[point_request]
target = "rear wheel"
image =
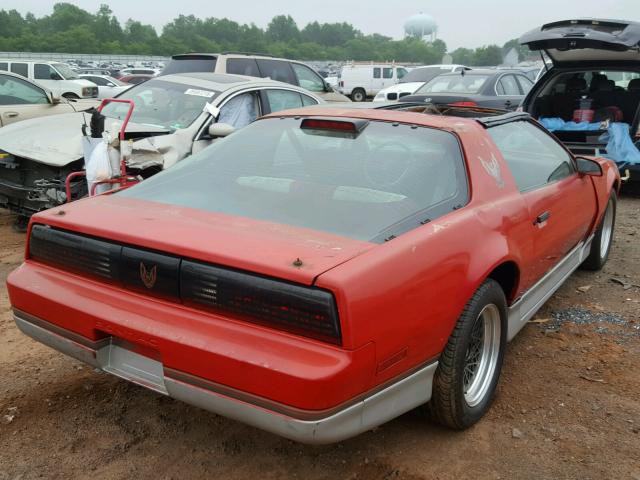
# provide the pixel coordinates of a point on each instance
(470, 365)
(603, 238)
(358, 95)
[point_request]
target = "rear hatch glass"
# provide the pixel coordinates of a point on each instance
(373, 186)
(190, 64)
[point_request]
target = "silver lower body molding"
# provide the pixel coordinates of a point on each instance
(527, 306)
(365, 414)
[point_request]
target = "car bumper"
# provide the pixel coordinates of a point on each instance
(120, 359)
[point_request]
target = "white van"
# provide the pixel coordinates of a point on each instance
(55, 76)
(360, 81)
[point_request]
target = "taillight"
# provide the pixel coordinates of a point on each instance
(463, 104)
(306, 311)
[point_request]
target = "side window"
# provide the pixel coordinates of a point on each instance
(387, 73)
(240, 111)
(525, 84)
(20, 68)
(283, 99)
(14, 91)
(307, 100)
(277, 70)
(307, 78)
(42, 71)
(507, 85)
(534, 157)
(243, 66)
(4, 66)
(98, 81)
(377, 72)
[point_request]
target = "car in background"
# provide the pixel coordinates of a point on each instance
(108, 87)
(253, 65)
(135, 79)
(55, 76)
(139, 71)
(595, 63)
(503, 89)
(414, 80)
(92, 71)
(22, 99)
(320, 273)
(361, 81)
(174, 116)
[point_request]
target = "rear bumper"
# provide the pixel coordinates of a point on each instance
(310, 427)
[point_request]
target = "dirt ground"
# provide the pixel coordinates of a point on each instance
(568, 405)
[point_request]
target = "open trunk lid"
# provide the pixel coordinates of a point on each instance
(587, 40)
(274, 250)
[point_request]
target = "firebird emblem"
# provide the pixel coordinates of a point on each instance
(148, 277)
(493, 168)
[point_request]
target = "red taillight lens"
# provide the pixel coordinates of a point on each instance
(463, 104)
(298, 309)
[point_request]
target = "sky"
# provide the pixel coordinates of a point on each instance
(460, 23)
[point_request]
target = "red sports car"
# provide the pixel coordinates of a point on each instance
(322, 271)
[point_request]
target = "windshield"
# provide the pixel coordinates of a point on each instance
(387, 180)
(423, 74)
(65, 71)
(457, 83)
(161, 104)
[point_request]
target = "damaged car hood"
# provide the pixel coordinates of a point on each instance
(57, 140)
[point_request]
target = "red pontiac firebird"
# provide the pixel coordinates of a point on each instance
(325, 270)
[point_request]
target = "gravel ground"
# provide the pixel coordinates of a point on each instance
(567, 407)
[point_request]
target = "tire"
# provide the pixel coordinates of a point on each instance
(358, 95)
(461, 394)
(603, 238)
(70, 96)
(20, 224)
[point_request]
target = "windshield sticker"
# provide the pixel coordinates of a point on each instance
(199, 93)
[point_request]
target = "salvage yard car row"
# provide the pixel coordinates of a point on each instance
(329, 266)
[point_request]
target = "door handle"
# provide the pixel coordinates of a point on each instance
(507, 103)
(543, 217)
(11, 114)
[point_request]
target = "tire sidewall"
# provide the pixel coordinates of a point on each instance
(358, 92)
(595, 261)
(612, 203)
(489, 293)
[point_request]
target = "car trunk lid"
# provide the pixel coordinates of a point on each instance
(586, 40)
(275, 250)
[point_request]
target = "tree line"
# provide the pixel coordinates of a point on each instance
(70, 29)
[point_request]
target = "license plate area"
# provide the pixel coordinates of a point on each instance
(116, 358)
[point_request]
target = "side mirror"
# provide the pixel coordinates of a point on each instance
(328, 88)
(55, 98)
(586, 166)
(217, 130)
(55, 76)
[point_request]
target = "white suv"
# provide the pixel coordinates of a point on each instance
(55, 76)
(254, 65)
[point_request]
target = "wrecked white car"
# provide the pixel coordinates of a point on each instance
(172, 119)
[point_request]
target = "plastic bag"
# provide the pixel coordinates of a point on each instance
(97, 165)
(620, 147)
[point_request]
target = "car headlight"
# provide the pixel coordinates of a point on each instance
(89, 91)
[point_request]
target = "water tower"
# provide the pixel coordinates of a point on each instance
(421, 26)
